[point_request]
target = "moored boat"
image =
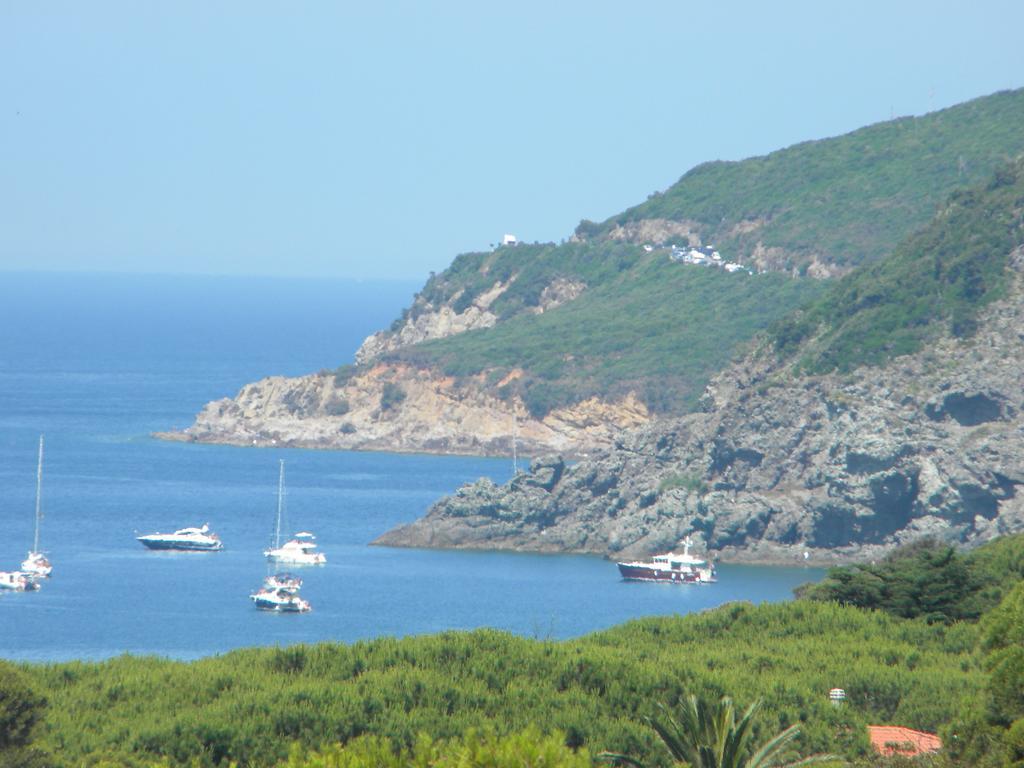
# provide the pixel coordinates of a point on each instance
(671, 567)
(188, 539)
(18, 581)
(301, 550)
(280, 600)
(37, 564)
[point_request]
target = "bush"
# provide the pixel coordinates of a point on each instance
(477, 749)
(689, 482)
(343, 373)
(928, 579)
(391, 396)
(21, 711)
(337, 406)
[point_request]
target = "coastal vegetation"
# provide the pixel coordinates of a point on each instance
(491, 698)
(250, 705)
(847, 200)
(934, 282)
(929, 580)
(638, 323)
(643, 325)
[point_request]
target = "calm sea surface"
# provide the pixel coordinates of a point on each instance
(97, 362)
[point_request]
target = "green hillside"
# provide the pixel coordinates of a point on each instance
(645, 324)
(849, 199)
(936, 281)
(662, 329)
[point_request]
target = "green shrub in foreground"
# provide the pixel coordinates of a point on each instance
(478, 749)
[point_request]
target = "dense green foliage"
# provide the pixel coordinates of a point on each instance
(929, 580)
(250, 705)
(848, 199)
(529, 749)
(21, 709)
(644, 324)
(990, 730)
(937, 280)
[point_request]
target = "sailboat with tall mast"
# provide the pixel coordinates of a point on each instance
(37, 564)
(301, 550)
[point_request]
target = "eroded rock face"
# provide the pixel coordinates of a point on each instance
(432, 323)
(826, 469)
(656, 231)
(394, 407)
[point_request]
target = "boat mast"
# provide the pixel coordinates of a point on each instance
(39, 495)
(280, 506)
(515, 429)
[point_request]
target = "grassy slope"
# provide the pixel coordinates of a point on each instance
(250, 705)
(647, 325)
(936, 281)
(852, 198)
(662, 330)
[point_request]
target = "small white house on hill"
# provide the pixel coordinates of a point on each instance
(509, 240)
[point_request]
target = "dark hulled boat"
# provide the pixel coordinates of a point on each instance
(671, 567)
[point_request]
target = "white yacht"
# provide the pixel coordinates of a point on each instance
(190, 539)
(301, 550)
(280, 599)
(37, 564)
(18, 581)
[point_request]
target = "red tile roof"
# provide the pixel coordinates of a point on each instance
(894, 740)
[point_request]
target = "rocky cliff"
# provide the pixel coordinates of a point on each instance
(783, 468)
(392, 407)
(388, 405)
(424, 321)
(586, 337)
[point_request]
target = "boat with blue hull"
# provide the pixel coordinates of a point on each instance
(184, 539)
(280, 600)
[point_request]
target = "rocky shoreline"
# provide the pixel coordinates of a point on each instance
(402, 409)
(780, 468)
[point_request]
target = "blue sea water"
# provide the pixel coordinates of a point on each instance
(98, 362)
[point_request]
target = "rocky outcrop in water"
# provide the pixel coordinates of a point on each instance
(385, 405)
(391, 407)
(778, 468)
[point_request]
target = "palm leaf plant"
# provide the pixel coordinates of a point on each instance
(708, 735)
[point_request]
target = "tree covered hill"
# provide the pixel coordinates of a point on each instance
(847, 200)
(935, 282)
(567, 343)
(639, 323)
(644, 325)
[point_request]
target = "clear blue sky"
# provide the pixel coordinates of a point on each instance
(326, 139)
